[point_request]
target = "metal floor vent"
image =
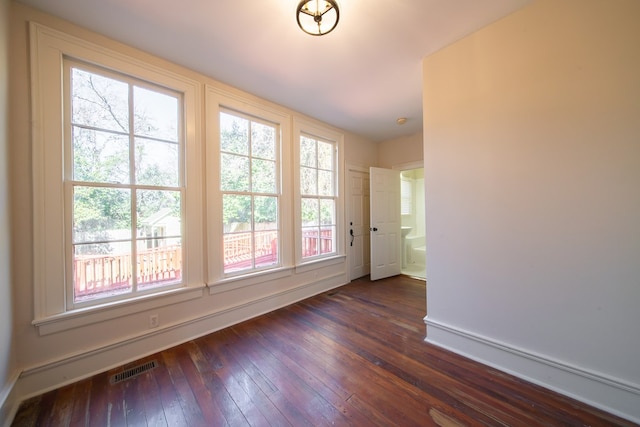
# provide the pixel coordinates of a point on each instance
(133, 372)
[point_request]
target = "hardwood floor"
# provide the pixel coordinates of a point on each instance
(352, 356)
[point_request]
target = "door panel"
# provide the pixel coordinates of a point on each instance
(359, 239)
(385, 223)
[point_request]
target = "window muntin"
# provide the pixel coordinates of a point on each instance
(318, 196)
(250, 188)
(124, 184)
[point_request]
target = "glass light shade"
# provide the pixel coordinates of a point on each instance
(317, 17)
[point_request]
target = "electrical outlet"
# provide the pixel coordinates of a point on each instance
(154, 321)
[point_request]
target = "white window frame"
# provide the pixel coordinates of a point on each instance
(217, 100)
(51, 309)
(306, 127)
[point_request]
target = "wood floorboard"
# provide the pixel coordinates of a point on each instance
(353, 356)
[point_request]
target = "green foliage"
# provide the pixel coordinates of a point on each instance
(101, 155)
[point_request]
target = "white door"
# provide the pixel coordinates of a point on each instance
(358, 240)
(386, 258)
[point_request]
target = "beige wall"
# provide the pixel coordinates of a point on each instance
(51, 360)
(359, 151)
(532, 171)
(400, 151)
(7, 366)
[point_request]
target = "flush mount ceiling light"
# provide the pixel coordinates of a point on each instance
(317, 17)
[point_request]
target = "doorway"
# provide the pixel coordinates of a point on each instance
(412, 214)
(359, 239)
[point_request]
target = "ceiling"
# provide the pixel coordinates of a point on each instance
(361, 77)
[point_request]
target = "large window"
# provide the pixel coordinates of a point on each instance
(249, 182)
(318, 196)
(117, 183)
(124, 185)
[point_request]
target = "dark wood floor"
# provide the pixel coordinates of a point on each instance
(352, 356)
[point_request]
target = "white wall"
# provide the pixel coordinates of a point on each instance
(400, 151)
(48, 361)
(7, 365)
(532, 172)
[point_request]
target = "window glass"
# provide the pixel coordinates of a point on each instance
(318, 196)
(125, 185)
(250, 193)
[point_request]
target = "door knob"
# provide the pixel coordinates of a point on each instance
(373, 229)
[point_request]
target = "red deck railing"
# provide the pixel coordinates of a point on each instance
(102, 275)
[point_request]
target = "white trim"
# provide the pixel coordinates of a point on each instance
(594, 388)
(77, 366)
(9, 401)
(48, 50)
(83, 317)
(300, 126)
(216, 99)
(409, 165)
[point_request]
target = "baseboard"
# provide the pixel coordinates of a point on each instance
(54, 374)
(593, 388)
(9, 401)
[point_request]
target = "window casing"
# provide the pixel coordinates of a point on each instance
(248, 189)
(124, 185)
(63, 224)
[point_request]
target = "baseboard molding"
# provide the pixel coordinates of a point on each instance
(593, 388)
(54, 374)
(9, 401)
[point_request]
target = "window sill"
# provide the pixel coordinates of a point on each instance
(101, 313)
(237, 282)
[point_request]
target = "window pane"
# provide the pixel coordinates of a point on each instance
(308, 152)
(266, 248)
(265, 213)
(236, 213)
(327, 240)
(158, 213)
(263, 176)
(238, 253)
(308, 181)
(327, 212)
(155, 114)
(96, 274)
(101, 214)
(100, 156)
(234, 173)
(263, 141)
(310, 242)
(234, 134)
(325, 183)
(99, 101)
(325, 156)
(159, 263)
(310, 212)
(157, 163)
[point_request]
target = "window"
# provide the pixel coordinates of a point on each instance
(117, 183)
(249, 171)
(124, 185)
(319, 201)
(406, 195)
(248, 190)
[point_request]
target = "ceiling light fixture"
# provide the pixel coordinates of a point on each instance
(317, 17)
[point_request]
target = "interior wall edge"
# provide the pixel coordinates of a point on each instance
(593, 388)
(9, 400)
